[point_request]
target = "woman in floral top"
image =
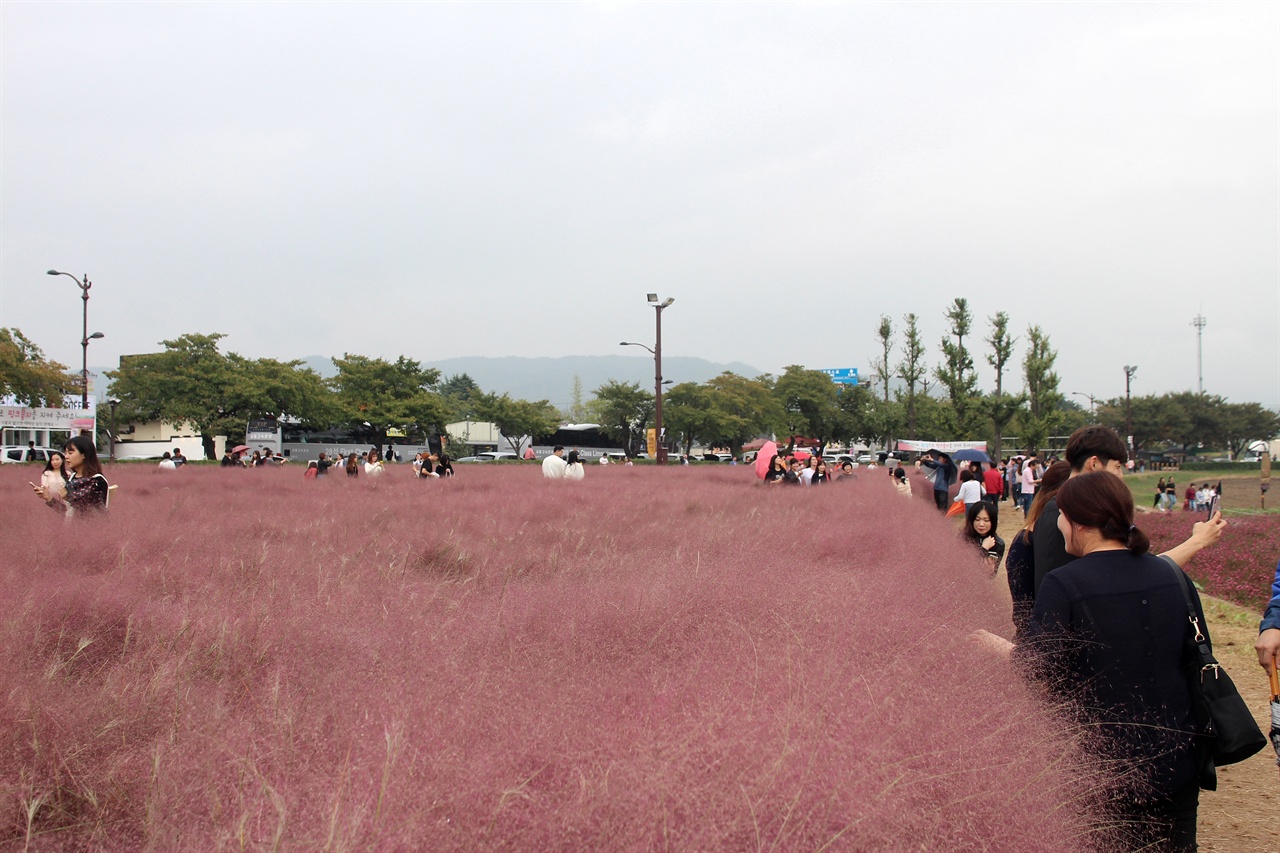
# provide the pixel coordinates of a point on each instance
(86, 490)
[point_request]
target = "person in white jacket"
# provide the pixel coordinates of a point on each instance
(970, 490)
(553, 467)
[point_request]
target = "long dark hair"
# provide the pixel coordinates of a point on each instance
(1101, 501)
(62, 466)
(84, 444)
(972, 513)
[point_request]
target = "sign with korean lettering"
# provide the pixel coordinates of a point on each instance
(842, 375)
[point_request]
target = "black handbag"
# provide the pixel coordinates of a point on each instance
(1226, 730)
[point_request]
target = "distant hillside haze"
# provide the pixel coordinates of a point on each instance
(551, 379)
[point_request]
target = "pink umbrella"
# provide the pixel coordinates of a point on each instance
(765, 457)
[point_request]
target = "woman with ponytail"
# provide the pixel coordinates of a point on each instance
(1108, 632)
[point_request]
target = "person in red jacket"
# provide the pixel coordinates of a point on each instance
(993, 483)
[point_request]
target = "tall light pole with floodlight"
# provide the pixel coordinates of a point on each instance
(84, 286)
(661, 455)
(1129, 370)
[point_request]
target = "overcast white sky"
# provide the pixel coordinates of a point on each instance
(441, 180)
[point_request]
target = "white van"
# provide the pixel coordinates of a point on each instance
(16, 453)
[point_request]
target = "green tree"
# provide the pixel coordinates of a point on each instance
(577, 406)
(1245, 423)
(956, 372)
(883, 422)
(746, 409)
(384, 394)
(461, 392)
(880, 367)
(809, 399)
(516, 419)
(1157, 421)
(912, 369)
(26, 374)
(1203, 426)
(191, 381)
(1041, 416)
(622, 409)
(690, 413)
(999, 407)
(856, 403)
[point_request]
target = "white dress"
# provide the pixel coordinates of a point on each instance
(373, 469)
(574, 471)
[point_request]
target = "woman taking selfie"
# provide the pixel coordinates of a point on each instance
(1108, 631)
(86, 489)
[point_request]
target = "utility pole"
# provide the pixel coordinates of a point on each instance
(1200, 322)
(1129, 370)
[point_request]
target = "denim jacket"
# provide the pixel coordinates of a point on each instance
(1271, 618)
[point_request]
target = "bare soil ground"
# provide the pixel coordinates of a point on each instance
(1243, 815)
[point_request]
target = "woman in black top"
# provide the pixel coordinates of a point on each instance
(1159, 494)
(980, 529)
(86, 490)
(1108, 631)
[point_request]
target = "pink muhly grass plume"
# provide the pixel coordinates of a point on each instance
(649, 658)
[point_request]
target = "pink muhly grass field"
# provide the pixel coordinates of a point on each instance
(649, 659)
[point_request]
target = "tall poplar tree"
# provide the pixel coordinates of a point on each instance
(1043, 397)
(912, 368)
(956, 371)
(1001, 407)
(880, 367)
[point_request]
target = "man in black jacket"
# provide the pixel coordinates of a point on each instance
(1090, 448)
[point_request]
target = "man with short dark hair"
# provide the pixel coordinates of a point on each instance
(553, 467)
(1090, 448)
(178, 459)
(31, 452)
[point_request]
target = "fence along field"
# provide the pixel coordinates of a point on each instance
(649, 659)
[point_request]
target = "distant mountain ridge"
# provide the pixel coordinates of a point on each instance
(551, 379)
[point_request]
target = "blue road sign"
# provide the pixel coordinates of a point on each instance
(842, 375)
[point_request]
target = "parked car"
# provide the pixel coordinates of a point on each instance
(490, 456)
(18, 453)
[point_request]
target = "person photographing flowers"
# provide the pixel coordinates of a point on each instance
(86, 488)
(1108, 632)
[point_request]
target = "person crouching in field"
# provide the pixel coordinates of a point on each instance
(86, 490)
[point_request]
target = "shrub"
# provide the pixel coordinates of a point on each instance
(648, 659)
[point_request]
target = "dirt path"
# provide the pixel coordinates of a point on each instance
(1243, 815)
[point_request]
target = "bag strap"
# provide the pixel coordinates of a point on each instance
(1199, 641)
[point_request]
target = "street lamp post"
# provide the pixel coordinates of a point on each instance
(1088, 397)
(84, 286)
(1129, 370)
(657, 373)
(112, 451)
